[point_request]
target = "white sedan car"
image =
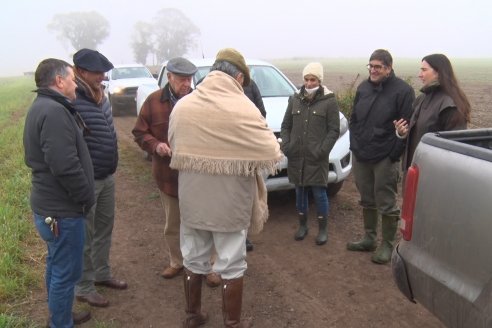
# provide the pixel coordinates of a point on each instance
(120, 86)
(275, 89)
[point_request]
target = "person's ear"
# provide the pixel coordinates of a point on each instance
(240, 78)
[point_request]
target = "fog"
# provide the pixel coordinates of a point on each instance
(262, 29)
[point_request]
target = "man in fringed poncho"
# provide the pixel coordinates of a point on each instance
(221, 145)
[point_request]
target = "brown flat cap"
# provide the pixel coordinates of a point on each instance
(234, 57)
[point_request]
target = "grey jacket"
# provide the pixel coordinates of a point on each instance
(56, 152)
(309, 132)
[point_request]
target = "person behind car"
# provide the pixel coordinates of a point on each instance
(379, 100)
(442, 106)
(221, 189)
(150, 133)
(62, 184)
(93, 106)
(309, 130)
(253, 93)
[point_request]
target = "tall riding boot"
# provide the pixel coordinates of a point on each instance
(193, 293)
(389, 226)
(368, 243)
(322, 233)
(232, 297)
(303, 228)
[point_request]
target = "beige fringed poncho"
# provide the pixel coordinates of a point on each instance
(217, 130)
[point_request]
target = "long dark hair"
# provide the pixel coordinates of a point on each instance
(448, 82)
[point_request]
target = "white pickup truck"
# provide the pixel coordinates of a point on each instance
(275, 89)
(444, 260)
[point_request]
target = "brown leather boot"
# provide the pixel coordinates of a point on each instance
(193, 293)
(232, 298)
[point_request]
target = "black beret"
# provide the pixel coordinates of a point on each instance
(181, 66)
(91, 60)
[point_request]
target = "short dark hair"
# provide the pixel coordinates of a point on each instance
(382, 55)
(47, 71)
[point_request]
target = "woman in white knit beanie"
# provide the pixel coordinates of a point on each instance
(310, 128)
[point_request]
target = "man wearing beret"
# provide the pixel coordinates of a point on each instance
(150, 133)
(221, 189)
(94, 107)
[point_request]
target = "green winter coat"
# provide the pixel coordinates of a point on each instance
(309, 132)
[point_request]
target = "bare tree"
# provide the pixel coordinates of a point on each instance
(142, 42)
(174, 34)
(80, 29)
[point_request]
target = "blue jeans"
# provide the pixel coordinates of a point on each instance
(63, 266)
(320, 198)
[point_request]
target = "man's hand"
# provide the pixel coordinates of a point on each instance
(163, 149)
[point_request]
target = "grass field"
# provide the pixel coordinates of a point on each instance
(18, 243)
(467, 70)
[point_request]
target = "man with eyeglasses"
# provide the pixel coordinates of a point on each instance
(379, 100)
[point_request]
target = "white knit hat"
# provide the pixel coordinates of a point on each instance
(315, 69)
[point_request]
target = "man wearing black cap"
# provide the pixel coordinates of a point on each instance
(150, 133)
(94, 107)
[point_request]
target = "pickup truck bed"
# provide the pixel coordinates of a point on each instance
(444, 260)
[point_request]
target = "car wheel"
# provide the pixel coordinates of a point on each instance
(333, 188)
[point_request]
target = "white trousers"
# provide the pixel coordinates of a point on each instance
(197, 246)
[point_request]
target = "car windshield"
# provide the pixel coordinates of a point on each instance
(130, 73)
(269, 80)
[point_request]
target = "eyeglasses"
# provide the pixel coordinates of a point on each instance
(375, 67)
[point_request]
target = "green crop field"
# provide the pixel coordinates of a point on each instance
(19, 255)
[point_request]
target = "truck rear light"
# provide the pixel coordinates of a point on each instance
(409, 198)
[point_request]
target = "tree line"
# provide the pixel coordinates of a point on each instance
(169, 34)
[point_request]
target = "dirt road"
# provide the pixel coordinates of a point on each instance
(288, 283)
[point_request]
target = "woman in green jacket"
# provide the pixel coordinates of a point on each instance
(310, 128)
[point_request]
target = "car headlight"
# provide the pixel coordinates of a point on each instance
(343, 126)
(118, 90)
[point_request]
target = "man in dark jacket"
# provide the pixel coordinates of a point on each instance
(95, 109)
(62, 184)
(253, 93)
(379, 101)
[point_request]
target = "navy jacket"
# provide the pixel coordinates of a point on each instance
(101, 140)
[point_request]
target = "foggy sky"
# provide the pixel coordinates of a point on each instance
(261, 29)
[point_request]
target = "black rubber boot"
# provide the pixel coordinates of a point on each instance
(303, 228)
(322, 233)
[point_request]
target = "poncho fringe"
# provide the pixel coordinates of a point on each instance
(214, 166)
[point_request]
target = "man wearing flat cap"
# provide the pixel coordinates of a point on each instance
(94, 107)
(221, 189)
(150, 134)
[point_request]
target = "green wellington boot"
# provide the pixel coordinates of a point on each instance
(303, 228)
(322, 237)
(389, 224)
(368, 243)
